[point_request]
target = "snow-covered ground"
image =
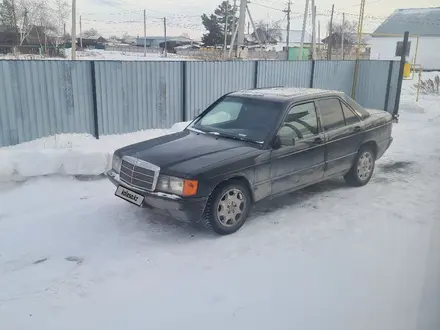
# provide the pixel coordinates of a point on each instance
(107, 55)
(73, 256)
(97, 55)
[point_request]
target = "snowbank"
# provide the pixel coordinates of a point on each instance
(69, 154)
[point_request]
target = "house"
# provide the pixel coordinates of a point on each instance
(423, 24)
(92, 42)
(278, 38)
(155, 42)
(8, 36)
(36, 40)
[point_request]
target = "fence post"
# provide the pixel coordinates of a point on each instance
(312, 75)
(387, 95)
(400, 79)
(95, 101)
(256, 74)
(184, 91)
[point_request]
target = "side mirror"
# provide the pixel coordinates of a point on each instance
(276, 143)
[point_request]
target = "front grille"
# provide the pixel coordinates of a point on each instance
(139, 174)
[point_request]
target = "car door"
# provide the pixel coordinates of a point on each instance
(299, 160)
(343, 132)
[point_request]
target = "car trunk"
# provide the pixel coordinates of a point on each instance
(377, 118)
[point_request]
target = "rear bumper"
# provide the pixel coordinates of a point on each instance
(383, 147)
(189, 210)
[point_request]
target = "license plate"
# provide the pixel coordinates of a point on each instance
(129, 196)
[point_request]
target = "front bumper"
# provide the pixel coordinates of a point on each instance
(189, 210)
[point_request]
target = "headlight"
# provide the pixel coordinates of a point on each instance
(116, 163)
(177, 186)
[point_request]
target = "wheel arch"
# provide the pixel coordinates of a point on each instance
(372, 144)
(237, 178)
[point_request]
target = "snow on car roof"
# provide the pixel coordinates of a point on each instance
(282, 92)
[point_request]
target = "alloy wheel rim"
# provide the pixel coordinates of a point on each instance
(365, 166)
(230, 208)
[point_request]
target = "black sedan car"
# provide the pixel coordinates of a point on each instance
(248, 146)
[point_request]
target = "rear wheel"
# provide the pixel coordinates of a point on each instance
(362, 169)
(227, 208)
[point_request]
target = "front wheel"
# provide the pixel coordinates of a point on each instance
(227, 208)
(362, 169)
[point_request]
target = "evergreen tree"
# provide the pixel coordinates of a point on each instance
(215, 25)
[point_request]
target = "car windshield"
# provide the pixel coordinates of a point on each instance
(240, 117)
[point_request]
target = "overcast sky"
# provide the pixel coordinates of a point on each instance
(115, 17)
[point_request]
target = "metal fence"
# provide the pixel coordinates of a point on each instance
(42, 98)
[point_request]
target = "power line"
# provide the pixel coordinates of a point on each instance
(264, 6)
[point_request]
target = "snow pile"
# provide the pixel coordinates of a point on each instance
(28, 57)
(69, 154)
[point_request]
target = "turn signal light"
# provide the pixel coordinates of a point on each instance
(190, 187)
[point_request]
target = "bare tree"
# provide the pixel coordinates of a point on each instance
(350, 32)
(44, 26)
(62, 10)
(268, 32)
(34, 17)
(25, 10)
(90, 33)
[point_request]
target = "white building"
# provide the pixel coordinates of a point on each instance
(423, 23)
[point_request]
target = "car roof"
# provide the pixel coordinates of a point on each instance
(285, 94)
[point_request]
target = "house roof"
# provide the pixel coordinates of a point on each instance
(418, 21)
(365, 39)
(162, 38)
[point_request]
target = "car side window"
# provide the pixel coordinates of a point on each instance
(223, 112)
(331, 114)
(301, 122)
(350, 117)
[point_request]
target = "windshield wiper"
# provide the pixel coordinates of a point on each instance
(235, 137)
(196, 130)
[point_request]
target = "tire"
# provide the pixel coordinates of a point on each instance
(227, 208)
(362, 169)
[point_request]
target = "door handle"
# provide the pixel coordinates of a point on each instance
(318, 141)
(357, 129)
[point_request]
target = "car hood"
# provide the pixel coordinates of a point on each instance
(186, 152)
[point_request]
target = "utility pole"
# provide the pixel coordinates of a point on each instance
(313, 30)
(256, 34)
(343, 35)
(165, 35)
(145, 33)
(225, 47)
(319, 40)
(330, 36)
(234, 23)
(356, 66)
(360, 28)
(80, 32)
(73, 30)
(306, 11)
(241, 21)
(234, 35)
(288, 28)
